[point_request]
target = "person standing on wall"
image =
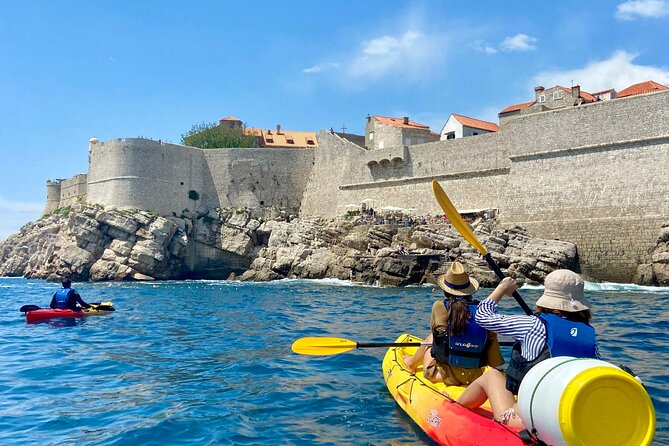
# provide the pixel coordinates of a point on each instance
(67, 298)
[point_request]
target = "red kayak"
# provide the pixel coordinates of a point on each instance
(48, 313)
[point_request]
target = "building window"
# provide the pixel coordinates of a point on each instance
(475, 133)
(371, 136)
(558, 94)
(542, 98)
(450, 135)
(407, 140)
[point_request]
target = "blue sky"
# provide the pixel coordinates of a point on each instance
(77, 69)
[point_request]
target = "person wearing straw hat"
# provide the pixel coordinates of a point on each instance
(561, 327)
(460, 347)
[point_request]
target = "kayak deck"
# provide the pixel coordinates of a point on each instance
(432, 406)
(42, 314)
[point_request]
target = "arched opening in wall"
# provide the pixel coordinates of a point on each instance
(384, 162)
(371, 164)
(397, 160)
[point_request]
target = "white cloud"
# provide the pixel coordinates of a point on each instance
(619, 71)
(633, 9)
(15, 214)
(407, 54)
(318, 68)
(483, 47)
(519, 42)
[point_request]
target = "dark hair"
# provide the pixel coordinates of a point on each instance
(66, 283)
(576, 316)
(457, 313)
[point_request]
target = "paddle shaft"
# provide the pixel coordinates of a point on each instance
(493, 266)
(408, 344)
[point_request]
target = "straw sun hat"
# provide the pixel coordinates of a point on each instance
(457, 282)
(563, 290)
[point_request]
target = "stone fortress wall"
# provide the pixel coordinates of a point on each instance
(594, 174)
(163, 177)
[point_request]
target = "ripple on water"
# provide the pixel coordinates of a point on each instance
(210, 362)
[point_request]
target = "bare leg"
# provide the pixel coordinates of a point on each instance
(491, 385)
(412, 362)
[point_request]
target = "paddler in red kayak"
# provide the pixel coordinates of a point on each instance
(67, 298)
(460, 347)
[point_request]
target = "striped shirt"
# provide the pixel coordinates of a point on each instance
(528, 330)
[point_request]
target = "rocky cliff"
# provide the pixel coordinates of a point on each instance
(656, 272)
(86, 242)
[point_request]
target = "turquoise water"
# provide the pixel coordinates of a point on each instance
(210, 362)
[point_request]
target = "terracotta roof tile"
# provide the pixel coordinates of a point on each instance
(587, 97)
(515, 107)
(399, 122)
(284, 139)
(477, 123)
(230, 118)
(641, 88)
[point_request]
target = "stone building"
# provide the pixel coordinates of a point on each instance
(382, 132)
(548, 99)
(459, 126)
(560, 97)
(231, 122)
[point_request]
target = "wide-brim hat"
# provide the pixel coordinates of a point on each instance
(563, 290)
(456, 281)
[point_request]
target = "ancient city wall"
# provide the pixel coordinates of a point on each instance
(146, 174)
(260, 177)
(595, 175)
(473, 171)
(162, 177)
(73, 189)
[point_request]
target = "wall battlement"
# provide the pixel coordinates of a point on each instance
(593, 174)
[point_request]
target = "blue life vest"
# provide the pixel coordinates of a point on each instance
(465, 350)
(568, 338)
(563, 338)
(62, 297)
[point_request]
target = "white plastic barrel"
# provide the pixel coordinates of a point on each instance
(585, 402)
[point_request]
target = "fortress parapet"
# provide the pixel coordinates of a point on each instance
(52, 196)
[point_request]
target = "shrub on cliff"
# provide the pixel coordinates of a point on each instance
(214, 136)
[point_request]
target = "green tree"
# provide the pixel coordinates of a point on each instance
(214, 136)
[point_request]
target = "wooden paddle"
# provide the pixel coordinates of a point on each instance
(467, 233)
(322, 346)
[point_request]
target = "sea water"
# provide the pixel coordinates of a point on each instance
(209, 362)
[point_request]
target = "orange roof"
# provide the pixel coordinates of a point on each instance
(399, 122)
(230, 118)
(283, 139)
(642, 88)
(515, 107)
(587, 97)
(477, 123)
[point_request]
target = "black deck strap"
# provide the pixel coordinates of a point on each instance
(530, 438)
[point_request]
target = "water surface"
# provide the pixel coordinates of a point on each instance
(210, 362)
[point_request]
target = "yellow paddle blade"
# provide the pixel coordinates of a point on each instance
(322, 346)
(455, 218)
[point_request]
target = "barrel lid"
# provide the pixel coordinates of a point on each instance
(606, 406)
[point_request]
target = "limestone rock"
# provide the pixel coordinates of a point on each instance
(109, 270)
